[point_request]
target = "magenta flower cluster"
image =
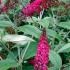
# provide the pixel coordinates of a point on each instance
(42, 55)
(35, 6)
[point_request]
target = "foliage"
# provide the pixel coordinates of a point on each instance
(19, 36)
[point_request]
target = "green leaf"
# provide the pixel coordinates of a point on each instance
(4, 1)
(32, 20)
(25, 2)
(31, 51)
(65, 48)
(44, 22)
(55, 60)
(65, 25)
(28, 67)
(8, 63)
(12, 55)
(66, 66)
(54, 34)
(61, 8)
(18, 39)
(6, 23)
(65, 1)
(31, 30)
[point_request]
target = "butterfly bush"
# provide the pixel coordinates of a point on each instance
(42, 55)
(0, 1)
(35, 6)
(10, 4)
(3, 7)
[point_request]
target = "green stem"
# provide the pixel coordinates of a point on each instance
(24, 52)
(19, 55)
(18, 48)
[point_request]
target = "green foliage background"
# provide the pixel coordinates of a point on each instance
(58, 31)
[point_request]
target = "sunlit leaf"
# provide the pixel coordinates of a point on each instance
(65, 48)
(8, 63)
(55, 60)
(18, 39)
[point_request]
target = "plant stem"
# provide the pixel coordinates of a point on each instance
(18, 48)
(24, 53)
(19, 55)
(41, 14)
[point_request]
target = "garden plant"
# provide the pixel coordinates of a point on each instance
(34, 34)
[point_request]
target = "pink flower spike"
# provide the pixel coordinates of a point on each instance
(4, 9)
(42, 55)
(31, 8)
(35, 6)
(0, 1)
